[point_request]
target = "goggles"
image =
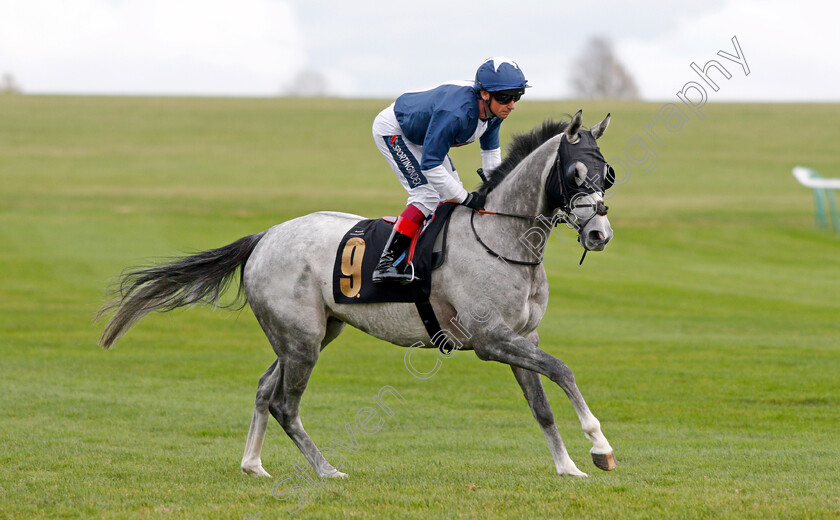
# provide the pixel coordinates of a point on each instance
(503, 97)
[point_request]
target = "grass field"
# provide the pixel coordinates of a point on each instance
(706, 338)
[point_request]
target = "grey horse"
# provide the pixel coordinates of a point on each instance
(490, 286)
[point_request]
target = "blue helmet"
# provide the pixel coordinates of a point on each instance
(500, 73)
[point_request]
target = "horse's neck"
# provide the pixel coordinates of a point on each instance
(522, 192)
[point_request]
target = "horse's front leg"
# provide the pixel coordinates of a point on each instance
(535, 395)
(501, 344)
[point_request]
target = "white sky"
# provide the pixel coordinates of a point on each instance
(374, 48)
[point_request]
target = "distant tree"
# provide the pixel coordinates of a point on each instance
(598, 74)
(8, 85)
(307, 83)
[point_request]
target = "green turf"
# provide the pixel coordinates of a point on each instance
(705, 338)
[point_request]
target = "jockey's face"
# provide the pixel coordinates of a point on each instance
(497, 109)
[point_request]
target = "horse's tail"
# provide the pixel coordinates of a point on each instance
(198, 278)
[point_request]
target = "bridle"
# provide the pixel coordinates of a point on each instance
(564, 214)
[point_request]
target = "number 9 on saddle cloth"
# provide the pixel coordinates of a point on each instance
(359, 251)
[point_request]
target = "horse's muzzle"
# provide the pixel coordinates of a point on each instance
(596, 240)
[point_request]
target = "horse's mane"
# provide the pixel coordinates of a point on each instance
(519, 148)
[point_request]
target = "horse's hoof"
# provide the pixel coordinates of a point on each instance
(256, 471)
(337, 474)
(604, 461)
(574, 472)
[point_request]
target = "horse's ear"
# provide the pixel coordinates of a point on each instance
(574, 126)
(599, 129)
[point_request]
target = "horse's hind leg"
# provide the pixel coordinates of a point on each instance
(298, 343)
(285, 406)
(251, 462)
(269, 381)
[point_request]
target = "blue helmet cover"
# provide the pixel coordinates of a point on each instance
(499, 73)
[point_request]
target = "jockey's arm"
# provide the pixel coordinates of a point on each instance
(491, 159)
(491, 151)
(446, 185)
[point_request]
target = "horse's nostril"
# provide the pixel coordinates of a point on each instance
(597, 236)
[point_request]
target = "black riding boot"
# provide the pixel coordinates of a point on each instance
(386, 271)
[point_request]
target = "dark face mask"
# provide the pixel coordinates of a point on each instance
(564, 183)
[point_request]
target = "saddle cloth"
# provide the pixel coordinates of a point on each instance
(359, 251)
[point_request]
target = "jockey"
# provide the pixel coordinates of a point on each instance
(415, 134)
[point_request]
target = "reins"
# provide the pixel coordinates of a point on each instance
(490, 250)
(527, 217)
(599, 208)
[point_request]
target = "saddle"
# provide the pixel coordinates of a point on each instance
(359, 252)
(360, 249)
